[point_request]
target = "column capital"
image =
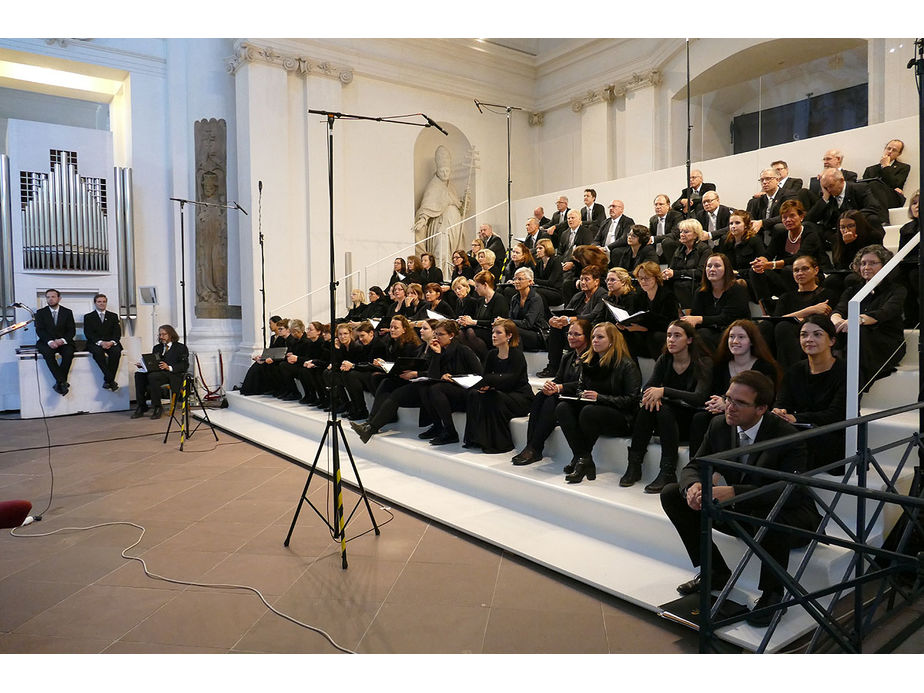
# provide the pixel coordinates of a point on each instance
(249, 52)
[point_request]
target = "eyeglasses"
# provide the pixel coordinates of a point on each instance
(765, 180)
(870, 263)
(737, 403)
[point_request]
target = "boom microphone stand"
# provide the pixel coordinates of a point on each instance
(506, 108)
(262, 258)
(334, 427)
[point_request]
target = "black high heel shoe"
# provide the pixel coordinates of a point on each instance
(569, 468)
(583, 467)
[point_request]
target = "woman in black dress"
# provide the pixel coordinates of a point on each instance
(742, 244)
(477, 244)
(313, 359)
(882, 335)
(646, 337)
(397, 306)
(503, 394)
(462, 300)
(378, 304)
(720, 301)
(358, 309)
(542, 419)
(583, 304)
(399, 273)
(685, 270)
(520, 256)
(742, 348)
(854, 232)
(637, 250)
(620, 291)
(414, 271)
(548, 273)
(814, 391)
(607, 399)
(808, 299)
(255, 380)
(527, 311)
(461, 267)
(357, 376)
(433, 301)
(678, 386)
(476, 330)
(429, 272)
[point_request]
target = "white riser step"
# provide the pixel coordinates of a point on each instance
(898, 216)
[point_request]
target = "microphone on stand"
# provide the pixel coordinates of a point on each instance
(434, 124)
(240, 209)
(479, 106)
(260, 186)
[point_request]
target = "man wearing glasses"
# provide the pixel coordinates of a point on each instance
(765, 210)
(747, 421)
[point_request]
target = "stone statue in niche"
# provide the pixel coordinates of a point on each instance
(211, 222)
(440, 208)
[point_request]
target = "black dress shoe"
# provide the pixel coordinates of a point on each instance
(157, 413)
(107, 386)
(546, 373)
(113, 386)
(528, 456)
(583, 467)
(692, 586)
(570, 466)
(363, 430)
(445, 438)
(139, 412)
(431, 432)
(767, 599)
(665, 477)
(290, 397)
(65, 388)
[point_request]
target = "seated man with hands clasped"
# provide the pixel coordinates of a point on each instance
(172, 363)
(747, 421)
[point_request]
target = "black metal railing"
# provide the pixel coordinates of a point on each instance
(893, 569)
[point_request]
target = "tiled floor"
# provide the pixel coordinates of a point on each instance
(218, 513)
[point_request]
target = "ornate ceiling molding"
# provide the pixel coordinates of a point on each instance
(536, 119)
(247, 52)
(608, 94)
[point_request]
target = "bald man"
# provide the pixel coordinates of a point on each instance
(833, 158)
(838, 196)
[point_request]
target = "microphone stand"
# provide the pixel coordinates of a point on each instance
(334, 426)
(262, 257)
(689, 186)
(507, 108)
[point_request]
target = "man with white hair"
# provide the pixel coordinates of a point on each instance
(559, 220)
(765, 210)
(833, 158)
(694, 193)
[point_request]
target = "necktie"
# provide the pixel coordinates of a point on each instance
(769, 205)
(54, 316)
(744, 441)
(166, 349)
(661, 226)
(711, 222)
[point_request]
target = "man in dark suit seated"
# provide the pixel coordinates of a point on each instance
(765, 210)
(173, 362)
(592, 213)
(543, 220)
(576, 234)
(612, 233)
(833, 158)
(713, 217)
(747, 420)
(892, 172)
(492, 241)
(664, 235)
(559, 221)
(103, 331)
(55, 331)
(789, 185)
(838, 196)
(694, 193)
(533, 234)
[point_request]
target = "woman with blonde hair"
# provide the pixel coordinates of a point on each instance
(606, 399)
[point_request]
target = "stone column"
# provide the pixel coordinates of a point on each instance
(641, 137)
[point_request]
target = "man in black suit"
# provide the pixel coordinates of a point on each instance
(612, 233)
(833, 158)
(714, 216)
(102, 330)
(492, 241)
(765, 210)
(172, 361)
(576, 234)
(892, 172)
(790, 186)
(695, 193)
(592, 213)
(838, 196)
(664, 236)
(543, 220)
(55, 330)
(747, 420)
(559, 221)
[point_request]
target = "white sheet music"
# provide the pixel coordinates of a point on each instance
(467, 381)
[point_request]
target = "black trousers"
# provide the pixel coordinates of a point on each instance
(148, 386)
(542, 420)
(391, 397)
(59, 372)
(557, 341)
(584, 422)
(439, 400)
(777, 543)
(672, 424)
(106, 359)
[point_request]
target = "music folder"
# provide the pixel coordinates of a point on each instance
(623, 316)
(685, 610)
(275, 353)
(150, 363)
(567, 312)
(409, 363)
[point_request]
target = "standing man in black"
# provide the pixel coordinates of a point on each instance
(592, 213)
(747, 420)
(55, 329)
(103, 331)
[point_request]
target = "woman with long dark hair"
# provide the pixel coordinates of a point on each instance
(476, 332)
(399, 273)
(606, 399)
(742, 244)
(854, 232)
(461, 267)
(720, 301)
(542, 419)
(430, 273)
(678, 386)
(548, 273)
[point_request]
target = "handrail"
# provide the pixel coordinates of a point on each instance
(365, 269)
(853, 336)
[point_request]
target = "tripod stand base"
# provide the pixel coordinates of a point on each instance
(181, 419)
(339, 524)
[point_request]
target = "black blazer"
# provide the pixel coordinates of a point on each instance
(597, 217)
(109, 330)
(743, 253)
(671, 219)
(722, 214)
(685, 193)
(856, 196)
(177, 357)
(622, 229)
(622, 257)
(690, 264)
(815, 184)
(549, 275)
(558, 224)
(583, 236)
(757, 208)
(496, 246)
(792, 458)
(894, 175)
(46, 329)
(792, 186)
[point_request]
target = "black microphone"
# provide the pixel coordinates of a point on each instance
(434, 124)
(18, 305)
(260, 185)
(479, 106)
(241, 208)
